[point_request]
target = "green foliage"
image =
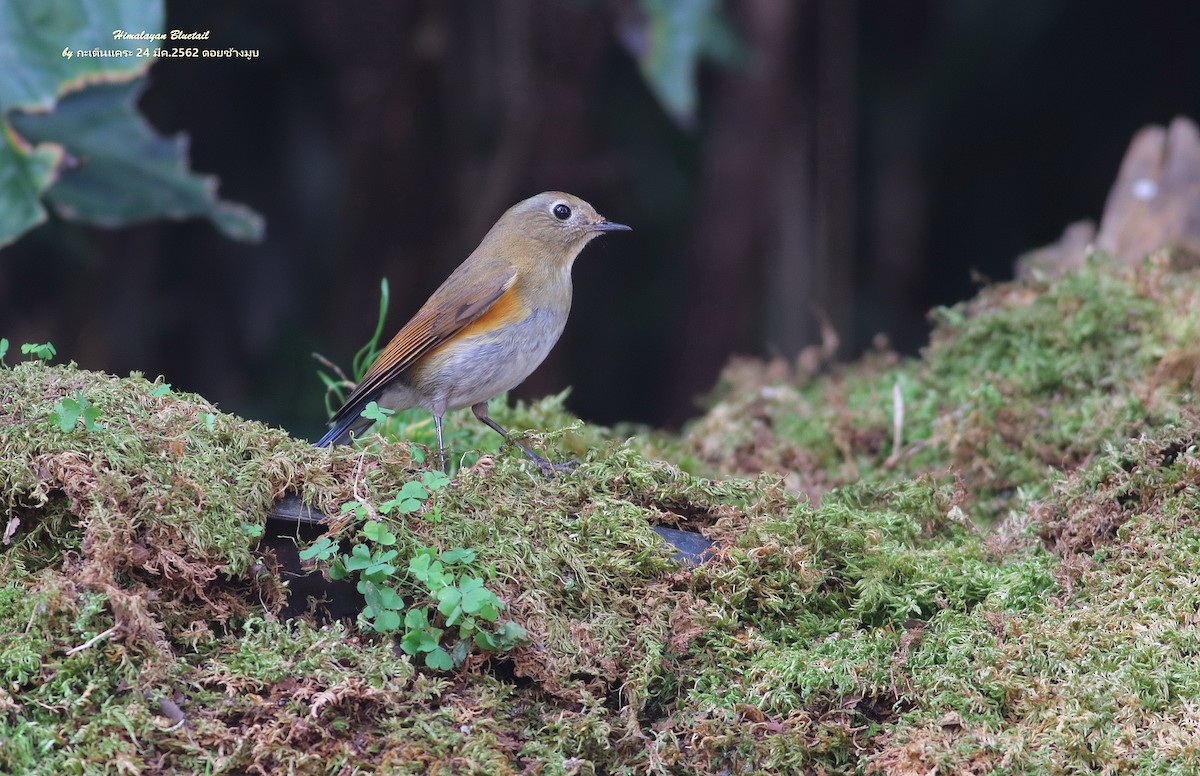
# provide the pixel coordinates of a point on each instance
(677, 34)
(69, 130)
(1019, 382)
(44, 351)
(337, 388)
(367, 354)
(374, 412)
(323, 549)
(76, 410)
(462, 602)
(440, 591)
(412, 495)
(132, 174)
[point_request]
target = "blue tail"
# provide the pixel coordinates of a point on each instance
(351, 423)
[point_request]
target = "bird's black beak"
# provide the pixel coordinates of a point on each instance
(604, 225)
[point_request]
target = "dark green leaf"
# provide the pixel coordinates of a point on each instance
(35, 38)
(485, 640)
(126, 172)
(25, 173)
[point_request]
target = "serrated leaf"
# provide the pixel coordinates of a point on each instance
(26, 172)
(126, 172)
(35, 38)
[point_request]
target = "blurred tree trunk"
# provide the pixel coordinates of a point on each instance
(773, 238)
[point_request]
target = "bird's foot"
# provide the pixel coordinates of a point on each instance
(549, 468)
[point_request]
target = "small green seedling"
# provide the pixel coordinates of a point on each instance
(323, 549)
(45, 351)
(374, 412)
(73, 410)
(413, 494)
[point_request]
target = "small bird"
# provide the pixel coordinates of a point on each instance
(488, 326)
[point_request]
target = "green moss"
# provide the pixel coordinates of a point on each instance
(1106, 675)
(1012, 590)
(1026, 379)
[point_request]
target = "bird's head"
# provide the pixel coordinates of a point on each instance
(558, 224)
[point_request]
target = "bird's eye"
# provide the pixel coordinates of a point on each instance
(561, 212)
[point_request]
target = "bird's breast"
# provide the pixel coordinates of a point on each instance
(492, 354)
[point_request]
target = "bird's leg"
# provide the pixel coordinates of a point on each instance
(548, 467)
(437, 425)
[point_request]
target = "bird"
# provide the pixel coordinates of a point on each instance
(487, 327)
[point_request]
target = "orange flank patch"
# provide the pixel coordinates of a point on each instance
(505, 310)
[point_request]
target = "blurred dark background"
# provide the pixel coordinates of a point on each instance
(865, 159)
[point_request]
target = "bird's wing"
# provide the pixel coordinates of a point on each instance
(457, 304)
